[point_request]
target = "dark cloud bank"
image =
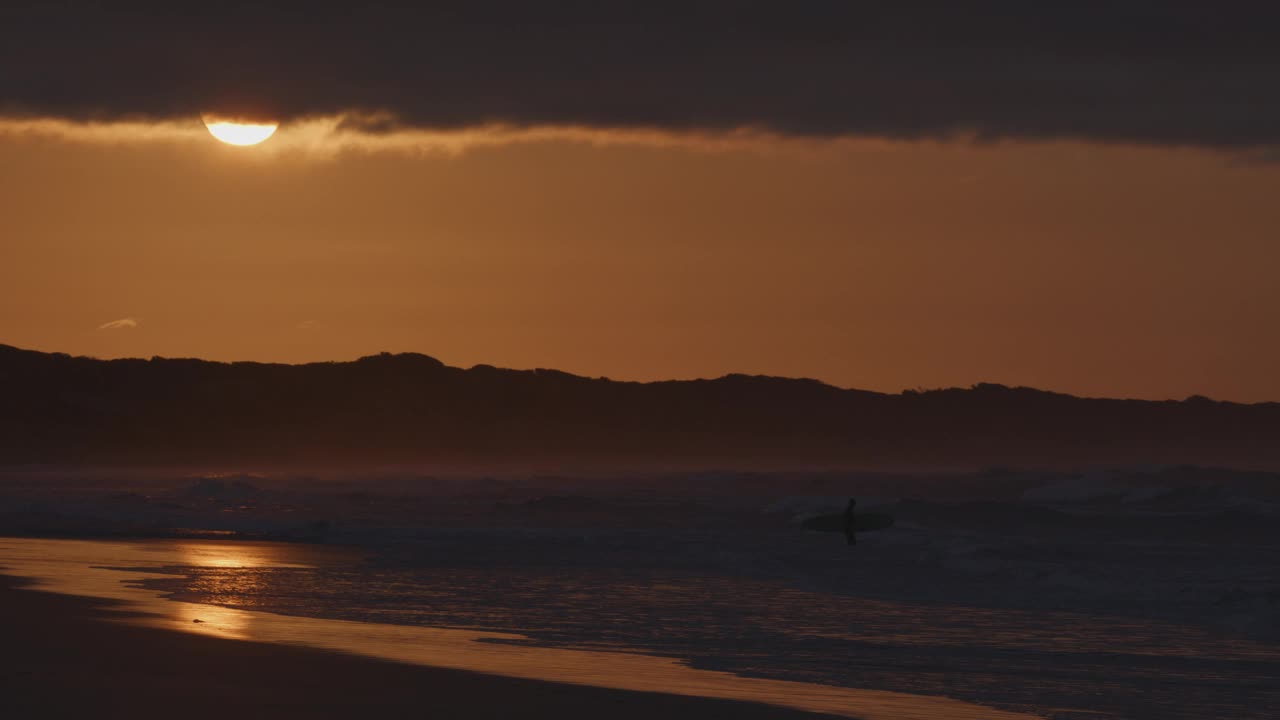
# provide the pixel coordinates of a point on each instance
(1164, 73)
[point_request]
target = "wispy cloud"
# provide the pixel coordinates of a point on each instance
(121, 324)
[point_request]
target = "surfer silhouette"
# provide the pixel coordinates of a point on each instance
(850, 522)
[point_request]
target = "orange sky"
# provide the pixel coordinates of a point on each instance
(1090, 269)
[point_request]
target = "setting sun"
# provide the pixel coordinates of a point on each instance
(238, 133)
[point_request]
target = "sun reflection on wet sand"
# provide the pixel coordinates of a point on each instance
(213, 620)
(86, 568)
(235, 555)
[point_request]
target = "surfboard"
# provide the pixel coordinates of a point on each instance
(862, 522)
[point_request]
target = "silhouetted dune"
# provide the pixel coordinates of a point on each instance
(408, 407)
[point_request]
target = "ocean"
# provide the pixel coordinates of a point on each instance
(954, 612)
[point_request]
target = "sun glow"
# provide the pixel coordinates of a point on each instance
(239, 133)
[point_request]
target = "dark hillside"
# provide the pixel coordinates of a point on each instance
(56, 408)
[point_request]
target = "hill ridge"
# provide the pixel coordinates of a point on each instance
(409, 407)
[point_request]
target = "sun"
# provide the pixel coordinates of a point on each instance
(234, 132)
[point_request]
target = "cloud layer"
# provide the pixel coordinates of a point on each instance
(1159, 73)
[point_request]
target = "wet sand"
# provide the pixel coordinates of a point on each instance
(60, 656)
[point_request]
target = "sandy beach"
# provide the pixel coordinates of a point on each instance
(62, 657)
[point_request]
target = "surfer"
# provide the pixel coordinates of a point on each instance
(850, 522)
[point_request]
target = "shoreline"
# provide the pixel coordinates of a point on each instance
(63, 656)
(109, 573)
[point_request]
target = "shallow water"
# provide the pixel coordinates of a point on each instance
(1163, 607)
(120, 571)
(707, 615)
